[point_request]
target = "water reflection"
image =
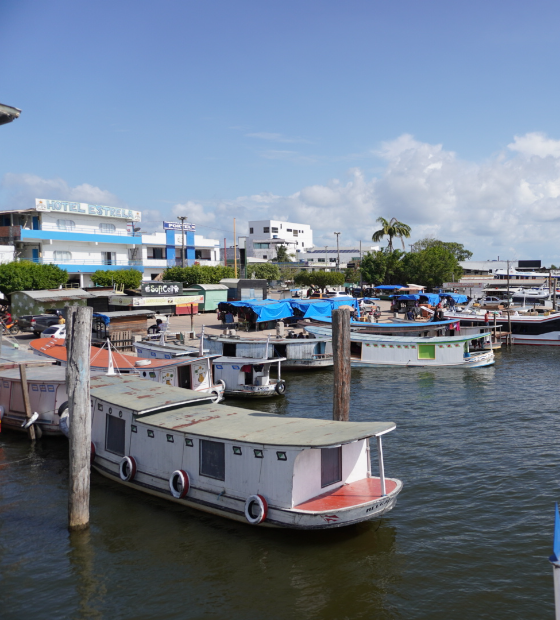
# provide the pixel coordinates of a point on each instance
(90, 588)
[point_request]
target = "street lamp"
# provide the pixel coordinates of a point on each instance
(182, 218)
(337, 252)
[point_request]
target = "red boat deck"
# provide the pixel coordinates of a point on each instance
(348, 495)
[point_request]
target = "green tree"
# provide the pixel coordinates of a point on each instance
(288, 273)
(457, 249)
(28, 276)
(432, 266)
(352, 276)
(383, 267)
(282, 255)
(263, 271)
(130, 278)
(392, 228)
(198, 274)
(319, 279)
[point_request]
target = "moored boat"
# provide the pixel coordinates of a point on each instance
(254, 467)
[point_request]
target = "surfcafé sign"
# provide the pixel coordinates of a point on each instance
(156, 289)
(81, 208)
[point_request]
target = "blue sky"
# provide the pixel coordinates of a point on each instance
(442, 114)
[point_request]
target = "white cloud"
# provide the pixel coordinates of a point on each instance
(508, 205)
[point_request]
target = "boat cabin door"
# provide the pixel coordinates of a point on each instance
(184, 377)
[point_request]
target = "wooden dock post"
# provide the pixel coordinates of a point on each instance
(78, 330)
(26, 405)
(341, 358)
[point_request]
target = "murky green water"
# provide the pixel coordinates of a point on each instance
(469, 538)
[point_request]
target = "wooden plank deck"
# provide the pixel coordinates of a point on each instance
(348, 495)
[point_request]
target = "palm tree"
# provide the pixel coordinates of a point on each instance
(391, 229)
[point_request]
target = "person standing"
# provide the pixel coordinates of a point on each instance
(487, 318)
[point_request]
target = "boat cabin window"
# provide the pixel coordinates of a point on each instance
(331, 466)
(426, 351)
(228, 349)
(212, 459)
(114, 435)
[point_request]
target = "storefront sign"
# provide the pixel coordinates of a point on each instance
(162, 288)
(181, 300)
(81, 208)
(178, 226)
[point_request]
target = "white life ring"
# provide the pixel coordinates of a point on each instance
(280, 387)
(179, 483)
(127, 468)
(64, 423)
(215, 396)
(256, 503)
(223, 383)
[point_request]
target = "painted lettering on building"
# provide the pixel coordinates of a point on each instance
(61, 206)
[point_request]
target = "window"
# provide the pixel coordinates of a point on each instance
(259, 454)
(426, 351)
(275, 229)
(107, 228)
(114, 435)
(320, 260)
(60, 255)
(265, 256)
(157, 253)
(212, 459)
(65, 224)
(261, 246)
(237, 450)
(266, 229)
(331, 466)
(281, 456)
(288, 230)
(295, 233)
(250, 231)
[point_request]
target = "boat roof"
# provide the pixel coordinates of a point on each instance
(247, 360)
(272, 341)
(10, 358)
(141, 396)
(361, 337)
(417, 324)
(40, 373)
(243, 425)
(99, 358)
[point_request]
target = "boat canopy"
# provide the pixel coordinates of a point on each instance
(418, 324)
(321, 308)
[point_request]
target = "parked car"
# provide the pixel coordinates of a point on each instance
(54, 331)
(36, 323)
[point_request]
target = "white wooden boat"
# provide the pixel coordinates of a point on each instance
(193, 373)
(47, 398)
(245, 377)
(254, 467)
(377, 350)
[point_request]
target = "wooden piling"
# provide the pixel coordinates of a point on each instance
(26, 405)
(78, 336)
(341, 358)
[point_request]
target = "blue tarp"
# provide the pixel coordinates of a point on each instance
(104, 318)
(430, 298)
(368, 300)
(265, 309)
(320, 308)
(457, 297)
(388, 286)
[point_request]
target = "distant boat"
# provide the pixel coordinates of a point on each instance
(378, 350)
(249, 466)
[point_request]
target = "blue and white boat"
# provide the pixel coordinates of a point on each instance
(381, 350)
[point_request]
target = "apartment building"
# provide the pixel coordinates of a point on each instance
(266, 235)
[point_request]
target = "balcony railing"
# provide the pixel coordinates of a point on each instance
(86, 229)
(73, 261)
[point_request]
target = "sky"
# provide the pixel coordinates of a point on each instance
(441, 114)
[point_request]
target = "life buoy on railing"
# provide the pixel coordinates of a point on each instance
(179, 483)
(256, 509)
(280, 387)
(127, 468)
(215, 396)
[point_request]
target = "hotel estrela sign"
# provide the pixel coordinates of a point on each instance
(82, 208)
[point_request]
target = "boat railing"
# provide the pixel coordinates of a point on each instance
(322, 356)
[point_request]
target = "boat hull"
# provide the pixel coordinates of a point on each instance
(234, 508)
(478, 361)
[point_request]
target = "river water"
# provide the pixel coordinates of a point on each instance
(469, 538)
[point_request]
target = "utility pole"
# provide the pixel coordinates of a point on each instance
(337, 252)
(341, 359)
(182, 218)
(326, 256)
(234, 249)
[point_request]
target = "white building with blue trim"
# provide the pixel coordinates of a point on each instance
(84, 238)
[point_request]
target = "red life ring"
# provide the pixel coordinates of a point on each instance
(179, 483)
(256, 509)
(127, 468)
